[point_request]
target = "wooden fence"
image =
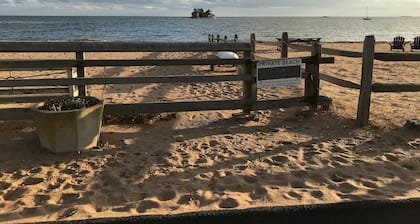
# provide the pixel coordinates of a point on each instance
(247, 103)
(366, 86)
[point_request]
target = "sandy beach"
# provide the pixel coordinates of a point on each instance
(212, 160)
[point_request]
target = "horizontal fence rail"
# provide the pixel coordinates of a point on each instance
(49, 64)
(122, 80)
(382, 56)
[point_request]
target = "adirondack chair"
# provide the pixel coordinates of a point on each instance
(398, 43)
(416, 43)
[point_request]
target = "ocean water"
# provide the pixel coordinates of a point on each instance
(179, 29)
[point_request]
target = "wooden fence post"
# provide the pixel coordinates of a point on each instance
(312, 77)
(80, 56)
(363, 107)
(73, 89)
(250, 87)
(284, 44)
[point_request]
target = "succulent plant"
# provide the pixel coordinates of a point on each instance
(63, 103)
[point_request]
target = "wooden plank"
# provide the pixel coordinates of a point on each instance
(163, 62)
(336, 52)
(80, 69)
(329, 51)
(396, 56)
(37, 90)
(25, 113)
(324, 60)
(28, 98)
(284, 45)
(312, 79)
(395, 87)
(173, 106)
(289, 102)
(250, 86)
(339, 82)
(122, 80)
(119, 46)
(7, 65)
(363, 107)
(28, 65)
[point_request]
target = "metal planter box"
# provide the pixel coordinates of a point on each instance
(70, 130)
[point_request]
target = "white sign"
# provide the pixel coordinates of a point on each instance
(281, 72)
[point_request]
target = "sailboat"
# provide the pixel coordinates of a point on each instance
(367, 17)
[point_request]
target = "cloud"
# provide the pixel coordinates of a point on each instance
(220, 7)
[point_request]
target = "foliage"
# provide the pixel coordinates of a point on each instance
(63, 103)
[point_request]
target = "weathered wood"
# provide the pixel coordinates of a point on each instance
(73, 90)
(312, 79)
(289, 102)
(80, 57)
(284, 45)
(8, 65)
(325, 60)
(339, 82)
(336, 52)
(302, 40)
(173, 106)
(330, 51)
(29, 65)
(395, 87)
(250, 86)
(119, 46)
(363, 107)
(25, 113)
(123, 80)
(32, 90)
(395, 56)
(163, 62)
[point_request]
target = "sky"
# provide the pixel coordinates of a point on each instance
(222, 8)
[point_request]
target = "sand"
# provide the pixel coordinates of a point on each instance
(212, 160)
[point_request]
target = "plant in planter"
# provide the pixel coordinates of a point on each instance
(68, 124)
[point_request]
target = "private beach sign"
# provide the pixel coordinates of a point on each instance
(282, 72)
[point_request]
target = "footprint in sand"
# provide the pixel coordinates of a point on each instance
(317, 194)
(258, 193)
(346, 188)
(298, 184)
(147, 204)
(166, 195)
(229, 203)
(69, 198)
(15, 194)
(280, 159)
(33, 180)
(4, 185)
(293, 194)
(41, 199)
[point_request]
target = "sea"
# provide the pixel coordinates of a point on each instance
(181, 29)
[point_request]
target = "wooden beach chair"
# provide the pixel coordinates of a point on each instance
(416, 43)
(398, 43)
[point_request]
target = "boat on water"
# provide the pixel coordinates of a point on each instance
(200, 13)
(367, 17)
